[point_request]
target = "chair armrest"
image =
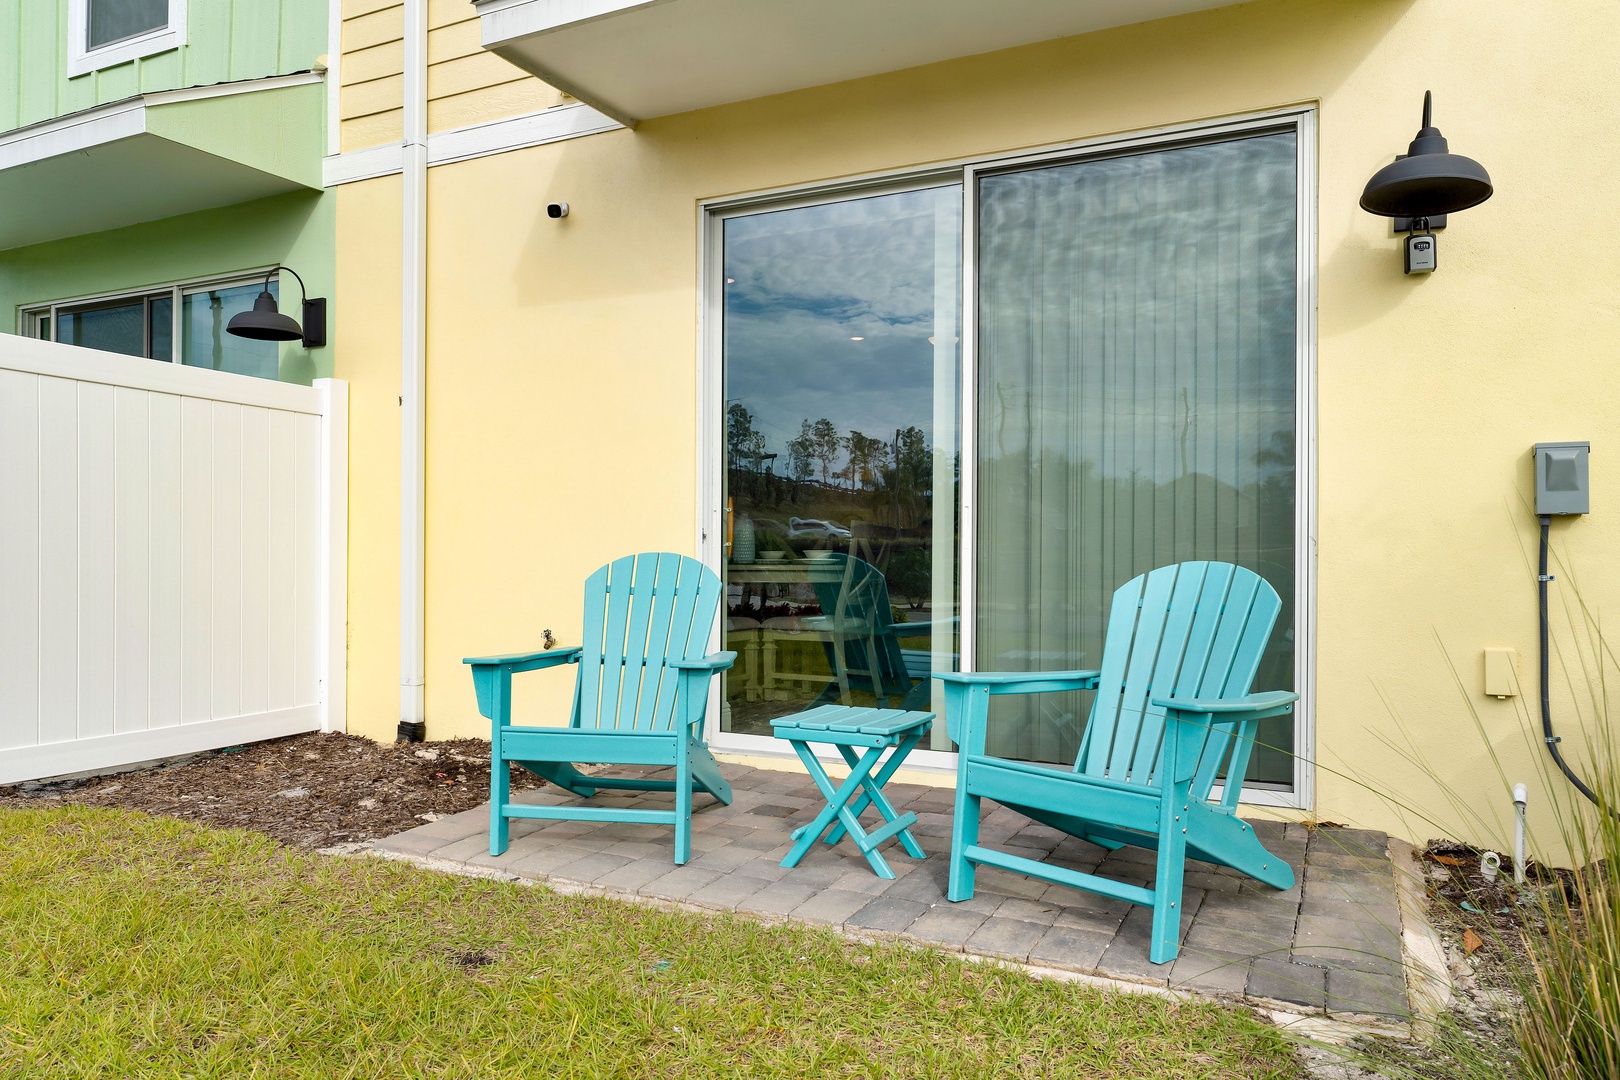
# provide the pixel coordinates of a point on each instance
(528, 661)
(967, 696)
(1249, 707)
(719, 661)
(694, 683)
(492, 676)
(1022, 682)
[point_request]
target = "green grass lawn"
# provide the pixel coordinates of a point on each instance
(147, 947)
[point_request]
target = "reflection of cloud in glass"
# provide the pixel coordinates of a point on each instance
(828, 312)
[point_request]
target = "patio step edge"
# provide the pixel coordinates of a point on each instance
(1429, 985)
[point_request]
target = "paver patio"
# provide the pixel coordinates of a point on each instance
(1331, 943)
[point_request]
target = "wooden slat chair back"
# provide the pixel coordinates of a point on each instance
(1193, 630)
(639, 698)
(1172, 703)
(641, 612)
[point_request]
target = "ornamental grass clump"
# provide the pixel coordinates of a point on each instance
(1568, 1027)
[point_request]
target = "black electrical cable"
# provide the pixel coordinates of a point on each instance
(1546, 708)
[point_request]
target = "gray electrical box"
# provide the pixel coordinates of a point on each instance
(1563, 481)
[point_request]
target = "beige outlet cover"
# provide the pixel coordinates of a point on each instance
(1502, 672)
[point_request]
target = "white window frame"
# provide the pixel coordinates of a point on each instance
(29, 314)
(711, 426)
(81, 59)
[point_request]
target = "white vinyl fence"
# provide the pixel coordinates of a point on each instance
(172, 558)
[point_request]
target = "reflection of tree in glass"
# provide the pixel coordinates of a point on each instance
(867, 457)
(909, 575)
(827, 444)
(908, 479)
(744, 442)
(802, 452)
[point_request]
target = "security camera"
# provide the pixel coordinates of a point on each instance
(556, 209)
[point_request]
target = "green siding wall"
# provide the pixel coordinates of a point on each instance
(295, 230)
(226, 40)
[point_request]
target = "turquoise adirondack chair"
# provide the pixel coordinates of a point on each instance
(1172, 698)
(639, 699)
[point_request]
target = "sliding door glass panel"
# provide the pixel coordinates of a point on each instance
(840, 347)
(1137, 327)
(116, 327)
(206, 343)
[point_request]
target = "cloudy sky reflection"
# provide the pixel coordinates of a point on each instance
(803, 283)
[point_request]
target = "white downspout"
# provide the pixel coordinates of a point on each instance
(334, 77)
(413, 372)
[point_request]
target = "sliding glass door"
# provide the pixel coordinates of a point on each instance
(1136, 404)
(1136, 354)
(840, 344)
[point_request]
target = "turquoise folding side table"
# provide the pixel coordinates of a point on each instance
(878, 730)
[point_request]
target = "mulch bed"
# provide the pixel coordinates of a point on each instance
(308, 791)
(1484, 922)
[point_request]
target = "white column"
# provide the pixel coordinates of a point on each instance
(334, 588)
(413, 369)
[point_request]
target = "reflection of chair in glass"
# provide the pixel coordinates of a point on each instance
(742, 638)
(859, 637)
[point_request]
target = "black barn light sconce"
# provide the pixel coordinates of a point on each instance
(266, 323)
(1420, 187)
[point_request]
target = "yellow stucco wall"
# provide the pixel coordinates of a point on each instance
(366, 342)
(562, 377)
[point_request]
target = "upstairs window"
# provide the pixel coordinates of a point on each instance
(119, 20)
(104, 33)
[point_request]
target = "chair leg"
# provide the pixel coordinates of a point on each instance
(1170, 864)
(964, 835)
(683, 800)
(872, 794)
(706, 773)
(837, 810)
(500, 793)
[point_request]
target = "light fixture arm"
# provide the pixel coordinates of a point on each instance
(303, 293)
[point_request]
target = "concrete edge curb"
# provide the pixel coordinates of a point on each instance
(1428, 977)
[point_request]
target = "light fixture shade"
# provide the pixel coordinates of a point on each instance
(264, 322)
(1429, 180)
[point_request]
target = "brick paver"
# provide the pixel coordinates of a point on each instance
(1331, 943)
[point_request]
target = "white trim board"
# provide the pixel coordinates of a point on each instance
(557, 124)
(104, 124)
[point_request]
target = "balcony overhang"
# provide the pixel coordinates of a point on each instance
(637, 60)
(159, 155)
